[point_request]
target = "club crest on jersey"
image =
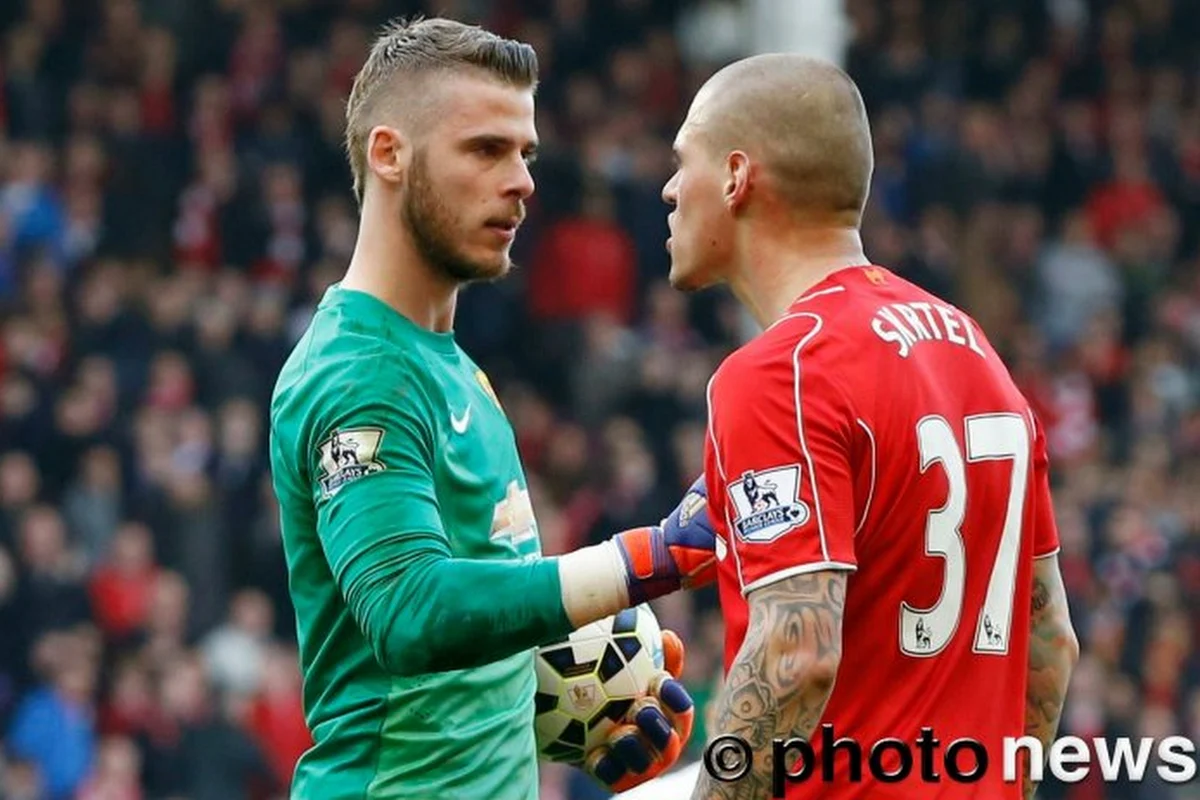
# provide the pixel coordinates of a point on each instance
(348, 455)
(486, 385)
(767, 503)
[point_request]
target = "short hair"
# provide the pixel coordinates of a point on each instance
(416, 46)
(808, 123)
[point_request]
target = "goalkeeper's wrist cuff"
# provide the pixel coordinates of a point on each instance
(594, 583)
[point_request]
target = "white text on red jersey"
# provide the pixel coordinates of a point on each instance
(908, 324)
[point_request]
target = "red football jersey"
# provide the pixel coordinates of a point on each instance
(874, 429)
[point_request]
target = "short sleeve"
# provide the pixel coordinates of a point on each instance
(781, 444)
(371, 474)
(1045, 526)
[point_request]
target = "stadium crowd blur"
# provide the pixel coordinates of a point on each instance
(174, 200)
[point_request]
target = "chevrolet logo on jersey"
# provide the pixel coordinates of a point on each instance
(767, 503)
(513, 521)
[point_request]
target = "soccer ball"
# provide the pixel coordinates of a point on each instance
(586, 682)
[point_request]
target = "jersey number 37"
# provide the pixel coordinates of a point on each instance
(989, 437)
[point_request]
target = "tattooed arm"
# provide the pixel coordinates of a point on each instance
(782, 677)
(1053, 651)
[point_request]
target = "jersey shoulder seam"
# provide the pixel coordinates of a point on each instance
(375, 375)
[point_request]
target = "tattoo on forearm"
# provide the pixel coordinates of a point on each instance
(1050, 664)
(1041, 597)
(794, 633)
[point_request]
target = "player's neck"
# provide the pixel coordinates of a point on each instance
(387, 265)
(779, 266)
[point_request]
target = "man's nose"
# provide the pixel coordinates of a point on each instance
(669, 194)
(522, 183)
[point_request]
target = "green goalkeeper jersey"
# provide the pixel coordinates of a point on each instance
(411, 547)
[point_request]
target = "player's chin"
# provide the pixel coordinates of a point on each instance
(491, 265)
(476, 266)
(685, 279)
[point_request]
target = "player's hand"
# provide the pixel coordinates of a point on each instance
(655, 731)
(678, 553)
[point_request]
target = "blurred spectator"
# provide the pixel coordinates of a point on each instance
(276, 714)
(92, 503)
(168, 629)
(51, 594)
(117, 773)
(21, 780)
(585, 265)
(20, 485)
(53, 727)
(174, 202)
(28, 203)
(13, 653)
(1077, 281)
(604, 372)
(235, 653)
(198, 747)
(128, 708)
(123, 585)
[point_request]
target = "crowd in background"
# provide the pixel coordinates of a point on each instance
(174, 200)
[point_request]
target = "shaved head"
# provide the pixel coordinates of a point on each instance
(802, 119)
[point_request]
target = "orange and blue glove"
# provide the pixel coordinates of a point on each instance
(678, 553)
(655, 731)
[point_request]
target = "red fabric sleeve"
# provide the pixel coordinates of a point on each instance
(781, 441)
(1045, 526)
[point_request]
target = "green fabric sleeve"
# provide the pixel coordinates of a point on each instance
(419, 608)
(446, 614)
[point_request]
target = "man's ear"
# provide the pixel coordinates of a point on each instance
(738, 180)
(388, 153)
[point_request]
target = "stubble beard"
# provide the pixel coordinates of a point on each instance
(432, 224)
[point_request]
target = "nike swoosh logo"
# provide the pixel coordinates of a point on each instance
(460, 423)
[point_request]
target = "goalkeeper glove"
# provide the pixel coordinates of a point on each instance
(654, 733)
(678, 553)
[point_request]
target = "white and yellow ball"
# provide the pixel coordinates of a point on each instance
(588, 681)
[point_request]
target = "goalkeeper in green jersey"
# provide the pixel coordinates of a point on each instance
(414, 561)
